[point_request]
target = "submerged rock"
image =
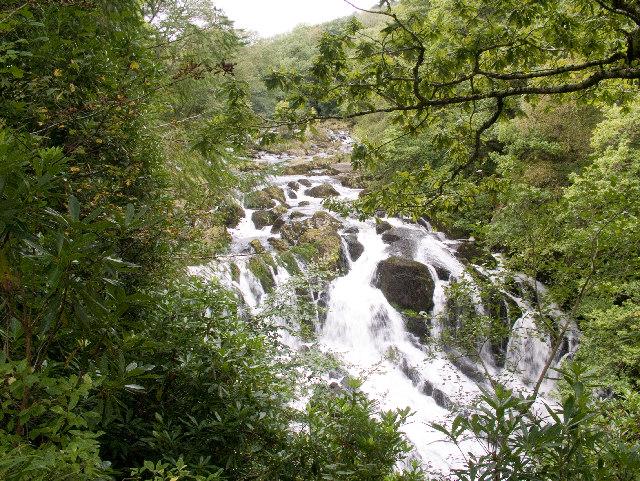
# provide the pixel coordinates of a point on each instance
(322, 191)
(304, 203)
(405, 283)
(296, 215)
(292, 194)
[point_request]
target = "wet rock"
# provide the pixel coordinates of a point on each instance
(263, 218)
(354, 247)
(304, 203)
(382, 227)
(296, 215)
(351, 230)
(405, 283)
(404, 248)
(443, 272)
(320, 233)
(292, 194)
(261, 266)
(419, 326)
(392, 235)
(279, 244)
(293, 185)
(257, 246)
(411, 372)
(427, 388)
(235, 272)
(322, 191)
(277, 225)
(232, 213)
(442, 399)
(305, 182)
(281, 209)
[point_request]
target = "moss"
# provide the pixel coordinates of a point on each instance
(235, 272)
(257, 246)
(289, 261)
(260, 268)
(307, 252)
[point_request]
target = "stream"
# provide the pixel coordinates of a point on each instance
(396, 357)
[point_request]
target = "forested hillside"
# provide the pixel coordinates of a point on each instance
(399, 246)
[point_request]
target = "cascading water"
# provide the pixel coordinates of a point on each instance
(372, 340)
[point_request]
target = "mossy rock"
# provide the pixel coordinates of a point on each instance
(259, 266)
(257, 246)
(281, 209)
(275, 193)
(232, 213)
(322, 191)
(296, 215)
(289, 260)
(235, 272)
(259, 200)
(328, 245)
(263, 218)
(279, 244)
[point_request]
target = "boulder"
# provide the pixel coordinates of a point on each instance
(279, 244)
(419, 326)
(277, 225)
(232, 213)
(405, 283)
(351, 230)
(354, 247)
(352, 181)
(293, 185)
(322, 191)
(304, 203)
(305, 182)
(320, 232)
(257, 246)
(443, 272)
(259, 200)
(391, 236)
(275, 193)
(292, 194)
(382, 227)
(263, 218)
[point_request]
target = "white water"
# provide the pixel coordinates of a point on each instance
(369, 336)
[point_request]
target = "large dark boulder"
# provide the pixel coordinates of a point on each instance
(305, 182)
(322, 191)
(405, 283)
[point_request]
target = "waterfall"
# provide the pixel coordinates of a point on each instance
(377, 343)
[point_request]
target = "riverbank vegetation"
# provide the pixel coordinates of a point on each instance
(125, 128)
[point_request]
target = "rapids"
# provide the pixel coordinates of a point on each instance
(370, 337)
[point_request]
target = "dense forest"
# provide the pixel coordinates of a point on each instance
(400, 246)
